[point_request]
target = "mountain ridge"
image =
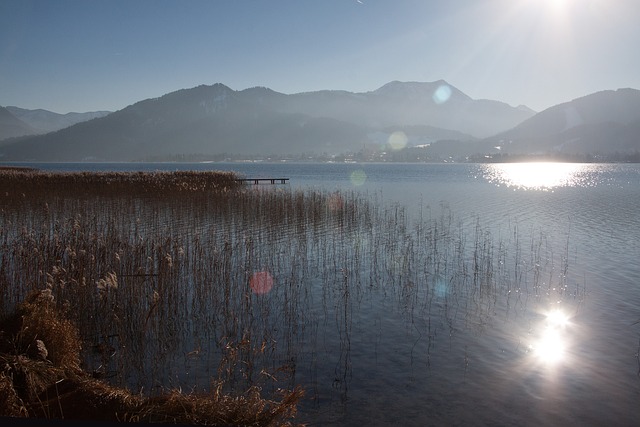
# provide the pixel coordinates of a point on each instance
(602, 122)
(215, 119)
(11, 126)
(44, 121)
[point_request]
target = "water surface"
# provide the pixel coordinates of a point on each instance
(443, 346)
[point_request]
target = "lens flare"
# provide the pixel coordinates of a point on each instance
(397, 140)
(358, 177)
(335, 202)
(442, 94)
(261, 282)
(441, 287)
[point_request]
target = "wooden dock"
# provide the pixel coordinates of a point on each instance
(257, 181)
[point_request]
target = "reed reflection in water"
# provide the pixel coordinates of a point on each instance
(282, 288)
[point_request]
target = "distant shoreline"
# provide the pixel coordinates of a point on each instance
(17, 168)
(22, 165)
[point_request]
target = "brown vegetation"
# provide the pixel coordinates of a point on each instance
(96, 244)
(157, 278)
(41, 377)
(20, 181)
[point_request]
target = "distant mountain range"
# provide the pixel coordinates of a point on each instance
(15, 122)
(605, 122)
(11, 126)
(213, 121)
(44, 121)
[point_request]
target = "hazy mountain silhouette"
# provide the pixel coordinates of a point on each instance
(43, 121)
(11, 126)
(601, 123)
(210, 120)
(436, 104)
(206, 119)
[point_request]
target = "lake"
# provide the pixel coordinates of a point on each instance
(526, 314)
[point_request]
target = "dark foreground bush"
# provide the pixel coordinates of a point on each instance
(41, 377)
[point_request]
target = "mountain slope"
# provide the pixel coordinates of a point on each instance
(435, 104)
(204, 120)
(11, 126)
(43, 121)
(603, 122)
(211, 120)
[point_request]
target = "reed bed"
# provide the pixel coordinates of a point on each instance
(21, 181)
(42, 377)
(227, 289)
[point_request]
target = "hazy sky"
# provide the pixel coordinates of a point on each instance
(86, 55)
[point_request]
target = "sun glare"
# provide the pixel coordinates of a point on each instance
(557, 5)
(551, 345)
(534, 175)
(551, 7)
(557, 319)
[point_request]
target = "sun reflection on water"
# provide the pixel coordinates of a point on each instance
(536, 175)
(550, 347)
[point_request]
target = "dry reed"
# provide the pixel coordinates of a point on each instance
(155, 271)
(41, 378)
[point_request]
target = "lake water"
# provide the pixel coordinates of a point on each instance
(555, 342)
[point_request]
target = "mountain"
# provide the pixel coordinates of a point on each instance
(11, 126)
(204, 120)
(605, 122)
(43, 121)
(212, 120)
(436, 104)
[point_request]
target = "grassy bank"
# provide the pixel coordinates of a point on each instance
(81, 254)
(23, 181)
(41, 377)
(240, 293)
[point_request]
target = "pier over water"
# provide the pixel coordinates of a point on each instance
(257, 181)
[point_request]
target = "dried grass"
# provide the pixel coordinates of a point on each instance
(144, 270)
(17, 182)
(248, 409)
(41, 378)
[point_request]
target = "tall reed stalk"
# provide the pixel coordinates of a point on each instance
(157, 271)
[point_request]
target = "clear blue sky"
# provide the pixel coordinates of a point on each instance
(86, 55)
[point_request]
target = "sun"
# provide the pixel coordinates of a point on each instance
(557, 3)
(549, 8)
(557, 7)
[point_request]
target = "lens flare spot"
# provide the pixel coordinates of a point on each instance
(358, 177)
(441, 287)
(335, 202)
(397, 140)
(442, 94)
(261, 282)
